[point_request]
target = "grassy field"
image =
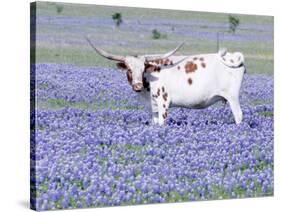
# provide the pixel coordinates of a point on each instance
(61, 29)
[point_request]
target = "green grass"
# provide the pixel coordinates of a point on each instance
(267, 113)
(61, 103)
(71, 56)
(261, 102)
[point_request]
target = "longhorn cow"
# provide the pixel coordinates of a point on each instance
(196, 81)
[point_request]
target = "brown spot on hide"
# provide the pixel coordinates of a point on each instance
(201, 58)
(179, 67)
(195, 58)
(158, 92)
(231, 61)
(168, 62)
(158, 69)
(163, 89)
(164, 105)
(157, 61)
(149, 67)
(152, 68)
(164, 62)
(165, 96)
(203, 65)
(189, 81)
(129, 77)
(190, 67)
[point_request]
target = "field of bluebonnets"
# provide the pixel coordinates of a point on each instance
(94, 144)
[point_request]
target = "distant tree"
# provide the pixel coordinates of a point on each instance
(157, 35)
(117, 17)
(233, 23)
(59, 8)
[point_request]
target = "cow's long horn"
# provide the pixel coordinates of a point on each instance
(106, 54)
(149, 58)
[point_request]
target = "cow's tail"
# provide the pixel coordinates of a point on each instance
(232, 60)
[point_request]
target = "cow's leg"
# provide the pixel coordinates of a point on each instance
(163, 105)
(159, 104)
(236, 109)
(162, 114)
(154, 110)
(155, 118)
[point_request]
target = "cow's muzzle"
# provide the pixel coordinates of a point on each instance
(138, 87)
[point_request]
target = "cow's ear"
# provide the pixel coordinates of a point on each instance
(150, 67)
(122, 66)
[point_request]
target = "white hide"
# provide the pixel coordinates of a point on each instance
(219, 79)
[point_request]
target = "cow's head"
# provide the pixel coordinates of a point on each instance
(134, 66)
